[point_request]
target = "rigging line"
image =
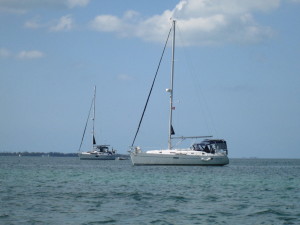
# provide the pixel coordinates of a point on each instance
(209, 120)
(151, 88)
(86, 124)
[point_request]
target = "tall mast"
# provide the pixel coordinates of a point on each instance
(94, 114)
(171, 90)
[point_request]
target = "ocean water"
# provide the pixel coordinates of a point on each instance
(54, 190)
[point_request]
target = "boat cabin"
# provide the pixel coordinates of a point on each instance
(101, 148)
(211, 146)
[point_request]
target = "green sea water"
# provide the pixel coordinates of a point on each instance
(54, 190)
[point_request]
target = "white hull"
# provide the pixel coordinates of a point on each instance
(178, 159)
(88, 156)
(210, 152)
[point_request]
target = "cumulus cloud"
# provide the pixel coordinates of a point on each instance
(124, 26)
(202, 22)
(65, 23)
(107, 23)
(34, 54)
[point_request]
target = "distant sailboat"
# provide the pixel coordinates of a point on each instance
(98, 152)
(208, 152)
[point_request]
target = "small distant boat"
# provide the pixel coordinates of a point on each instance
(98, 152)
(208, 152)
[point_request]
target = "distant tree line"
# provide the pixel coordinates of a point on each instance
(39, 154)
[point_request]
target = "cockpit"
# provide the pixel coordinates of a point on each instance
(102, 148)
(211, 146)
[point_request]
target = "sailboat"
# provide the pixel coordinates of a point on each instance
(98, 152)
(209, 152)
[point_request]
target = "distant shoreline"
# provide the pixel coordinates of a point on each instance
(39, 154)
(44, 154)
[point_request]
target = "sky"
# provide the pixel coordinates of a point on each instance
(236, 74)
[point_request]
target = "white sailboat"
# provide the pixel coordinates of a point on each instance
(208, 152)
(98, 152)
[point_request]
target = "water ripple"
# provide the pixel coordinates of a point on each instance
(70, 191)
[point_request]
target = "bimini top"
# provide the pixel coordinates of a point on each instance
(214, 141)
(210, 145)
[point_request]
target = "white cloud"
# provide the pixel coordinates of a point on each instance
(107, 23)
(196, 8)
(131, 14)
(23, 6)
(33, 24)
(201, 22)
(74, 3)
(34, 54)
(65, 23)
(123, 26)
(124, 77)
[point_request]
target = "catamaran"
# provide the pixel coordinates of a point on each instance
(209, 152)
(98, 152)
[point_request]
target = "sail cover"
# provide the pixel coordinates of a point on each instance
(94, 140)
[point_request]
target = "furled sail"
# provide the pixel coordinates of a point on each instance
(172, 130)
(94, 140)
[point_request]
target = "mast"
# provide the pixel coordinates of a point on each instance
(171, 90)
(94, 114)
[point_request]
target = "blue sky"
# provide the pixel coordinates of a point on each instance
(236, 73)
